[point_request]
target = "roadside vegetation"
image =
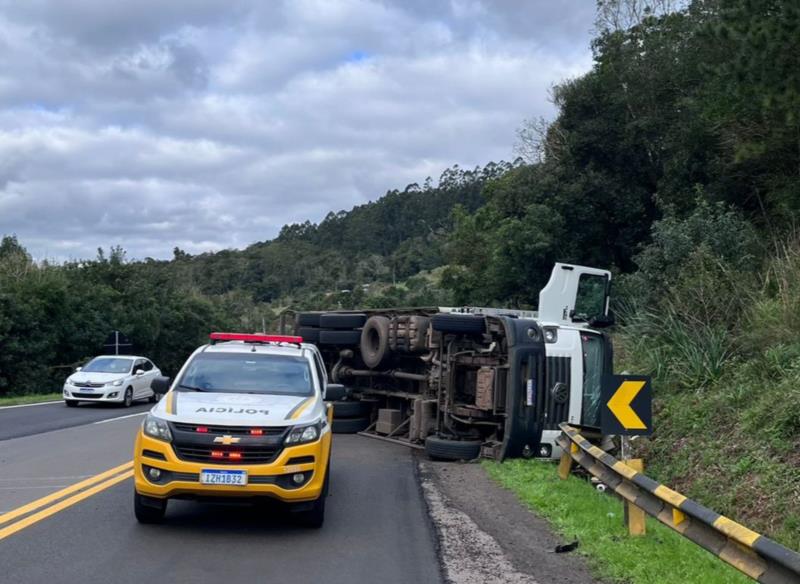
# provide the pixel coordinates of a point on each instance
(578, 512)
(31, 398)
(674, 161)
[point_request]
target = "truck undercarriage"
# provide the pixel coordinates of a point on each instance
(466, 382)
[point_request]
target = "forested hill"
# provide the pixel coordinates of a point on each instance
(388, 240)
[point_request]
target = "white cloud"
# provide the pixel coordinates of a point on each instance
(211, 124)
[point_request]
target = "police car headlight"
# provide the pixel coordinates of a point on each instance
(157, 428)
(116, 383)
(304, 434)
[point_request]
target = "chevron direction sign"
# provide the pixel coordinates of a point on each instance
(627, 405)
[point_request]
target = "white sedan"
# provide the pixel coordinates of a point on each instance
(120, 379)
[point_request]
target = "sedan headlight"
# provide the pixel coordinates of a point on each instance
(116, 383)
(157, 428)
(304, 434)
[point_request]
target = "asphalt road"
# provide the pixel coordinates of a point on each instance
(18, 421)
(376, 529)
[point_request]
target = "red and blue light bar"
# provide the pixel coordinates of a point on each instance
(256, 338)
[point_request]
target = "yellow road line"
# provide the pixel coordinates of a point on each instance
(33, 506)
(53, 509)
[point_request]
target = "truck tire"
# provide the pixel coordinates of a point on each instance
(309, 334)
(463, 324)
(349, 409)
(308, 319)
(350, 425)
(340, 338)
(336, 320)
(445, 449)
(375, 341)
(335, 392)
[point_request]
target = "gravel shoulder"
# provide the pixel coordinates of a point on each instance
(486, 535)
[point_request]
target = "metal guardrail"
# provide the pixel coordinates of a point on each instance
(757, 556)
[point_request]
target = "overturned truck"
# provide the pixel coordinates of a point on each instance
(468, 382)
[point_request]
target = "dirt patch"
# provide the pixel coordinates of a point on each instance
(487, 536)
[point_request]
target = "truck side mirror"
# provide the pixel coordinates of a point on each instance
(160, 384)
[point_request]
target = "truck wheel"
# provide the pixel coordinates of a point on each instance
(149, 509)
(336, 320)
(446, 449)
(350, 425)
(309, 334)
(340, 338)
(349, 409)
(375, 341)
(458, 323)
(308, 319)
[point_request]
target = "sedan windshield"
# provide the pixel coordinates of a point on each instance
(248, 373)
(108, 365)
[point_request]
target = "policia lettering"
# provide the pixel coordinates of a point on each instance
(232, 411)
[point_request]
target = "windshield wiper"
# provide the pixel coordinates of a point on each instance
(190, 388)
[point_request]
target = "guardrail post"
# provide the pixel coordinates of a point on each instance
(634, 516)
(565, 465)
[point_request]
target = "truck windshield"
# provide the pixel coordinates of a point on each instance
(108, 365)
(248, 373)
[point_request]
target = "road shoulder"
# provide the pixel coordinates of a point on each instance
(486, 535)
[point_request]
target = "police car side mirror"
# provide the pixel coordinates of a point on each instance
(160, 384)
(334, 392)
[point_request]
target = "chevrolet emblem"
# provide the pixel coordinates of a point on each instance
(226, 440)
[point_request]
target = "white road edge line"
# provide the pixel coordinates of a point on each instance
(120, 418)
(58, 401)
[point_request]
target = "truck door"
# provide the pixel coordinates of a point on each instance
(575, 294)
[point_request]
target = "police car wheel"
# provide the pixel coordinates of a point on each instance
(315, 516)
(128, 399)
(71, 403)
(148, 509)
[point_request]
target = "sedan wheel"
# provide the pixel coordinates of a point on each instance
(128, 398)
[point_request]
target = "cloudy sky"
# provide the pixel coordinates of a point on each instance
(209, 124)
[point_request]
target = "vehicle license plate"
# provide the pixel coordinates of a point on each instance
(223, 477)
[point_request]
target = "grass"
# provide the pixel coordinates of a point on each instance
(577, 511)
(31, 398)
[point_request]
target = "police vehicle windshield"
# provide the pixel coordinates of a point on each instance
(248, 373)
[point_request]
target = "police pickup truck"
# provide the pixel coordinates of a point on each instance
(244, 418)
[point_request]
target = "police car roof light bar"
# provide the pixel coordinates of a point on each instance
(255, 338)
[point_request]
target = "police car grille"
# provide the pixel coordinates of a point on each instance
(230, 430)
(249, 455)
